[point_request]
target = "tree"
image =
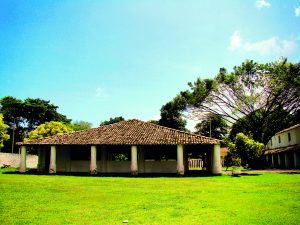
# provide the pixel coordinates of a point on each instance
(259, 93)
(38, 111)
(213, 126)
(170, 114)
(250, 124)
(248, 150)
(154, 122)
(49, 129)
(80, 125)
(3, 131)
(24, 116)
(112, 120)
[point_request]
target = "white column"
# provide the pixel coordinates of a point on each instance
(180, 165)
(22, 168)
(216, 160)
(272, 161)
(134, 165)
(52, 166)
(93, 162)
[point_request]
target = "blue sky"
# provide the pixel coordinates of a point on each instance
(101, 59)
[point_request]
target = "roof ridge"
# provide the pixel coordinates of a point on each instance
(131, 131)
(169, 128)
(289, 128)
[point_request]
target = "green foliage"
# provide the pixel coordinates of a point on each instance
(217, 125)
(112, 120)
(262, 98)
(49, 129)
(248, 150)
(154, 122)
(26, 115)
(3, 131)
(119, 157)
(80, 125)
(38, 111)
(232, 158)
(170, 114)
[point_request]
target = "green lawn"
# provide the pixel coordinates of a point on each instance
(54, 199)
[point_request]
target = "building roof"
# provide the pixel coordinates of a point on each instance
(282, 149)
(131, 132)
(290, 128)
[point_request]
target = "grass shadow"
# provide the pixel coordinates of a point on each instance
(127, 175)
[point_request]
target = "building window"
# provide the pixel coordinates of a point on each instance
(279, 140)
(289, 136)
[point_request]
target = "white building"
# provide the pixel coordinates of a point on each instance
(283, 150)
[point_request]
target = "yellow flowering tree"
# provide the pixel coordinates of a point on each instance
(3, 131)
(49, 129)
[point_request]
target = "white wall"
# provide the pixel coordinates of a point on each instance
(14, 160)
(295, 139)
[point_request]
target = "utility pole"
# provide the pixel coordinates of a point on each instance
(13, 127)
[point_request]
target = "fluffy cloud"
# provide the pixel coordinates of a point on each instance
(262, 4)
(235, 41)
(297, 11)
(272, 45)
(99, 92)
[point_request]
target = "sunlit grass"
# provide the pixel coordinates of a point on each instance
(45, 199)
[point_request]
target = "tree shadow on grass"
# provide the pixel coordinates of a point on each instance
(128, 175)
(245, 174)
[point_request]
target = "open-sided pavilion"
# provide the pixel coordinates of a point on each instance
(131, 146)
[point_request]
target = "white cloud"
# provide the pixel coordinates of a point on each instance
(297, 11)
(262, 4)
(235, 41)
(99, 92)
(272, 45)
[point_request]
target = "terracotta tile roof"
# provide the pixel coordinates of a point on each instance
(290, 128)
(131, 132)
(282, 149)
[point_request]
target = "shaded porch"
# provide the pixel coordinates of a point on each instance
(134, 159)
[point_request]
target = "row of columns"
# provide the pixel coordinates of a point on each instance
(214, 159)
(284, 160)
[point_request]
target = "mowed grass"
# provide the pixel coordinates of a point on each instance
(55, 199)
